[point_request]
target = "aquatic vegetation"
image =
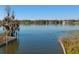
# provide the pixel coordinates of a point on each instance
(71, 43)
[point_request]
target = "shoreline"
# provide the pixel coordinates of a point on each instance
(70, 43)
(62, 46)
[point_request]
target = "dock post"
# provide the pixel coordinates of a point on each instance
(6, 38)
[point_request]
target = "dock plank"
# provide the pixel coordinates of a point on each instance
(5, 40)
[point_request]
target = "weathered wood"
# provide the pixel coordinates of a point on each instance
(3, 40)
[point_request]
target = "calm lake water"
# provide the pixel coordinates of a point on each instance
(38, 39)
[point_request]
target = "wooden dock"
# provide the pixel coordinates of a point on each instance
(6, 39)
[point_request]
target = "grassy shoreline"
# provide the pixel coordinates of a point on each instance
(71, 42)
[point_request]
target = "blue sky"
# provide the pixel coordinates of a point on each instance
(43, 11)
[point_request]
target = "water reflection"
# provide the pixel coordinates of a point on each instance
(35, 39)
(11, 47)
